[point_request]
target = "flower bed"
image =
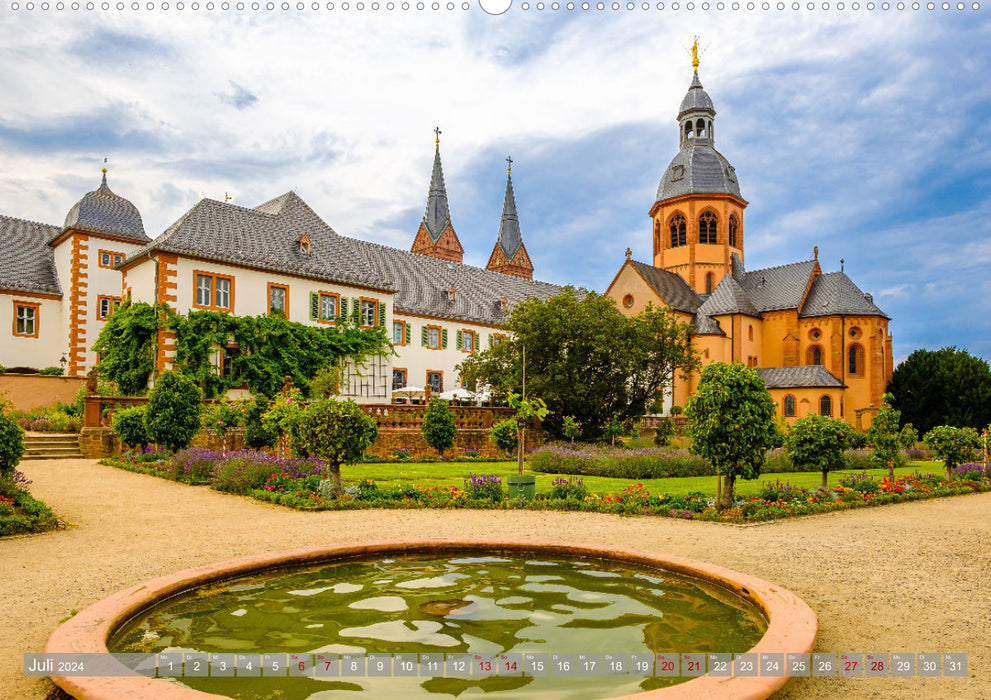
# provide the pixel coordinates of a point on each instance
(20, 512)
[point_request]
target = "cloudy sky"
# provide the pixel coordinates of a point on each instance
(864, 132)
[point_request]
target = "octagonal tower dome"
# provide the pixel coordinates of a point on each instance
(102, 211)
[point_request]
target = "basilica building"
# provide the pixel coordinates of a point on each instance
(820, 343)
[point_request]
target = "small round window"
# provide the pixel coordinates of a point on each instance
(815, 334)
(855, 332)
(628, 301)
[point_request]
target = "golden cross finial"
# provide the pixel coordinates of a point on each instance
(695, 54)
(437, 133)
(629, 253)
(227, 197)
(104, 166)
(509, 160)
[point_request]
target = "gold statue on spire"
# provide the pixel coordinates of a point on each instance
(695, 54)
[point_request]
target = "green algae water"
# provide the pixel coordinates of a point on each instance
(482, 606)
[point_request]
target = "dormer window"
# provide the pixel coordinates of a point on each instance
(450, 293)
(677, 172)
(304, 245)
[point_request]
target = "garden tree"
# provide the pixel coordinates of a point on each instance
(663, 432)
(174, 407)
(526, 409)
(570, 428)
(584, 358)
(126, 345)
(731, 421)
(438, 426)
(11, 442)
(504, 434)
(337, 432)
(818, 442)
(884, 437)
(908, 436)
(942, 387)
(954, 446)
(128, 424)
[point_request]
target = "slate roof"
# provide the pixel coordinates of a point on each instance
(422, 283)
(267, 237)
(510, 238)
(438, 214)
(27, 263)
(798, 377)
(670, 287)
(102, 211)
(697, 99)
(777, 288)
(728, 298)
(835, 293)
(698, 168)
(706, 325)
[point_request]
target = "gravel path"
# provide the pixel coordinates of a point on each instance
(912, 577)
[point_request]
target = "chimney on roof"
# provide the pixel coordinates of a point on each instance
(450, 293)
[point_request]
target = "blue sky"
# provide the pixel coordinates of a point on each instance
(866, 133)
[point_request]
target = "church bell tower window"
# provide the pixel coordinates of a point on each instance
(679, 230)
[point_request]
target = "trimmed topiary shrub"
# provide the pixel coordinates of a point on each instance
(663, 432)
(174, 407)
(438, 426)
(504, 435)
(128, 425)
(338, 432)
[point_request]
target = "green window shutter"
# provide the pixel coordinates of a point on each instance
(409, 332)
(443, 338)
(356, 310)
(314, 306)
(426, 336)
(343, 310)
(490, 340)
(460, 340)
(382, 313)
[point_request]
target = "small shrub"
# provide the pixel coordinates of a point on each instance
(484, 487)
(663, 432)
(128, 425)
(11, 443)
(256, 433)
(504, 435)
(438, 426)
(676, 410)
(570, 488)
(174, 407)
(857, 441)
(245, 471)
(194, 464)
(51, 371)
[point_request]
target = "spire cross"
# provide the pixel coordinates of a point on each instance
(104, 166)
(227, 197)
(509, 160)
(437, 133)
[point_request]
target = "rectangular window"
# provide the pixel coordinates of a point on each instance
(468, 341)
(109, 258)
(278, 300)
(398, 379)
(398, 332)
(212, 291)
(26, 319)
(106, 305)
(433, 337)
(328, 307)
(498, 339)
(435, 380)
(231, 353)
(369, 312)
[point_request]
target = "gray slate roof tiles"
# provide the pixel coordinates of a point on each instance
(798, 377)
(268, 238)
(510, 239)
(437, 215)
(422, 283)
(777, 288)
(696, 99)
(671, 287)
(102, 211)
(27, 263)
(835, 293)
(698, 168)
(728, 298)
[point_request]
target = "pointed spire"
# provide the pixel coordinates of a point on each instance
(438, 215)
(510, 239)
(104, 185)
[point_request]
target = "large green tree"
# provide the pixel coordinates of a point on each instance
(818, 442)
(731, 421)
(584, 358)
(173, 414)
(942, 387)
(336, 432)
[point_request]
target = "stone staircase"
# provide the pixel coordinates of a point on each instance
(51, 446)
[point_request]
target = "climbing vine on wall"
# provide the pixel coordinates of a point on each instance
(257, 351)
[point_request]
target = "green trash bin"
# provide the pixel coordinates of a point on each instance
(522, 486)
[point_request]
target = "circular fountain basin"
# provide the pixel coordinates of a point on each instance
(791, 624)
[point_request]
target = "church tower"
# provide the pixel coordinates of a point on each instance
(698, 212)
(436, 236)
(509, 255)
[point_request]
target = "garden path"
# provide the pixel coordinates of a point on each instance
(909, 577)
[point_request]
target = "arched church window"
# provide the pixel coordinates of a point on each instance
(707, 227)
(679, 230)
(856, 359)
(689, 131)
(789, 405)
(825, 406)
(708, 282)
(814, 356)
(750, 333)
(732, 230)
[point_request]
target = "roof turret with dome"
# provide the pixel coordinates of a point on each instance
(103, 212)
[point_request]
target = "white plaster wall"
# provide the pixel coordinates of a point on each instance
(417, 359)
(63, 264)
(43, 351)
(141, 279)
(102, 282)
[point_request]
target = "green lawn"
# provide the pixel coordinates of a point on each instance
(446, 474)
